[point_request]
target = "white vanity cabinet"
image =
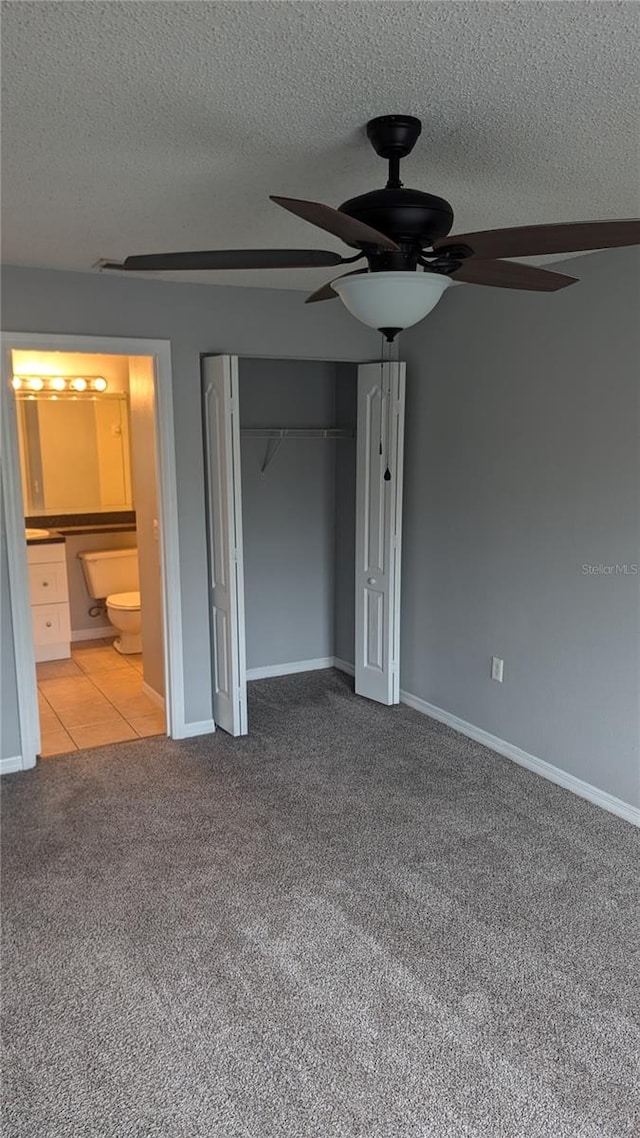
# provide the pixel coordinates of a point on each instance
(49, 592)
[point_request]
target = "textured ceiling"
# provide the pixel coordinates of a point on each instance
(143, 127)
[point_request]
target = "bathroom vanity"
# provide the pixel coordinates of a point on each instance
(77, 533)
(49, 592)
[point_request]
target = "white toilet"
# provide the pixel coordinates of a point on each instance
(113, 574)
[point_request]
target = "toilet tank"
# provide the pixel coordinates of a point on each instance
(108, 571)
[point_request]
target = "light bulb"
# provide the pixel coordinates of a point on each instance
(78, 384)
(36, 383)
(99, 384)
(58, 383)
(16, 382)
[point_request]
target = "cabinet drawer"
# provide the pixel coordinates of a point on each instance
(49, 551)
(51, 624)
(48, 583)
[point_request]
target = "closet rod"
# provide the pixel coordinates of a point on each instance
(298, 432)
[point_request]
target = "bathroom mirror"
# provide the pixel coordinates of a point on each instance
(74, 452)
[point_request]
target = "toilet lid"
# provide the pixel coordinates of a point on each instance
(124, 601)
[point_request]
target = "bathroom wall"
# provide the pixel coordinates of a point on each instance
(82, 625)
(9, 722)
(115, 369)
(145, 495)
(136, 377)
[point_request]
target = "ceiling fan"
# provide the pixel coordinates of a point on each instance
(403, 235)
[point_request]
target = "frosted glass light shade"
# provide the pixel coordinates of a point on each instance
(391, 300)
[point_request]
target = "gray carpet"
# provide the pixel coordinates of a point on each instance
(352, 923)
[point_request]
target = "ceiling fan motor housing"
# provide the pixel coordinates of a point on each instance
(409, 217)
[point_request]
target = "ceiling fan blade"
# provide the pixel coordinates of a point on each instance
(327, 292)
(333, 221)
(529, 240)
(509, 274)
(234, 259)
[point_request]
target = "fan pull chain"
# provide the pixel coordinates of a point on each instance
(387, 473)
(393, 350)
(382, 393)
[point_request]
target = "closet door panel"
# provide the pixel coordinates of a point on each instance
(224, 531)
(380, 449)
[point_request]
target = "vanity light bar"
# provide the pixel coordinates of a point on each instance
(59, 383)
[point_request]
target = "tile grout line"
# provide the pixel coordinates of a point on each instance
(133, 668)
(86, 674)
(116, 709)
(62, 729)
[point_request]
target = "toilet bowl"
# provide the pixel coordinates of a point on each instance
(123, 610)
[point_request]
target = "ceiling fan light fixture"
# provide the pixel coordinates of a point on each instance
(393, 300)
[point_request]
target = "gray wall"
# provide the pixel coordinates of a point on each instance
(196, 319)
(288, 513)
(522, 464)
(345, 515)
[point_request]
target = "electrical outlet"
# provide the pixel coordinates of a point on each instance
(497, 669)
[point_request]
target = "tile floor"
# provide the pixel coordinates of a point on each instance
(94, 698)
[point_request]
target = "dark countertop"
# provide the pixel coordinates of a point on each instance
(57, 535)
(71, 531)
(60, 522)
(52, 538)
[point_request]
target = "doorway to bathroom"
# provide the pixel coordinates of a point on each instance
(91, 542)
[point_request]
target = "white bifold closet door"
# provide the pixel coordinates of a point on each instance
(380, 450)
(226, 572)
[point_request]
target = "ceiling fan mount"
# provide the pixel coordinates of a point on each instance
(394, 136)
(403, 236)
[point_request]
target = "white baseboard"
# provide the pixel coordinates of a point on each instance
(189, 730)
(98, 632)
(289, 669)
(10, 765)
(43, 653)
(524, 759)
(153, 695)
(270, 670)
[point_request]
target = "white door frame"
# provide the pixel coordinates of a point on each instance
(160, 351)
